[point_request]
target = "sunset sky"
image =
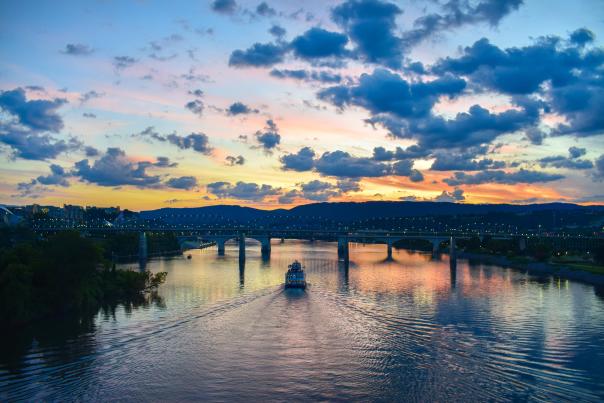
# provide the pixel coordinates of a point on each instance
(149, 104)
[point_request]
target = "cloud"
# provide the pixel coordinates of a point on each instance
(89, 115)
(198, 93)
(508, 178)
(387, 92)
(114, 168)
(371, 25)
(196, 141)
(258, 55)
(39, 114)
(599, 175)
(277, 31)
(567, 75)
(57, 177)
(305, 75)
(301, 161)
(451, 197)
(232, 160)
(342, 164)
(224, 6)
(468, 129)
(184, 182)
(91, 151)
(87, 96)
(447, 161)
(32, 145)
(320, 191)
(319, 43)
(242, 191)
(164, 162)
(265, 10)
(123, 62)
(571, 162)
(239, 108)
(456, 14)
(582, 37)
(77, 49)
(270, 137)
(196, 106)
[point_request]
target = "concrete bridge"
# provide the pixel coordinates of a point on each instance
(197, 236)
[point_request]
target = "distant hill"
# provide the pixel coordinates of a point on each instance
(350, 211)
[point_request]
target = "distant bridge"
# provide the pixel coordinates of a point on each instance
(198, 234)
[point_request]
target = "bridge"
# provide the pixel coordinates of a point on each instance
(196, 235)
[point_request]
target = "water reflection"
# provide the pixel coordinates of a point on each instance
(409, 328)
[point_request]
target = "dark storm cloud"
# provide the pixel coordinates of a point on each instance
(36, 114)
(306, 75)
(196, 141)
(319, 43)
(114, 168)
(184, 182)
(258, 55)
(242, 191)
(239, 108)
(224, 6)
(371, 25)
(77, 49)
(508, 178)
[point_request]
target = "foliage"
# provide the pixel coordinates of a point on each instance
(65, 273)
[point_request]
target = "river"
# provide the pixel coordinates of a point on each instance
(410, 329)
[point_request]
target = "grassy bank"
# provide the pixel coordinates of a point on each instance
(583, 272)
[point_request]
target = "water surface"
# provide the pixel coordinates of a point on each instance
(409, 329)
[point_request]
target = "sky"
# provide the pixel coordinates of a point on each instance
(149, 104)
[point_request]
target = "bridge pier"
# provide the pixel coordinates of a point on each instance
(142, 247)
(343, 248)
(452, 249)
(522, 244)
(435, 247)
(220, 243)
(265, 246)
(241, 247)
(389, 242)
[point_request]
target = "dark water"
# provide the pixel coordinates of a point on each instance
(408, 330)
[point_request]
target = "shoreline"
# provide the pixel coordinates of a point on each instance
(538, 268)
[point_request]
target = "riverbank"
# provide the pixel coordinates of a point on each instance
(566, 271)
